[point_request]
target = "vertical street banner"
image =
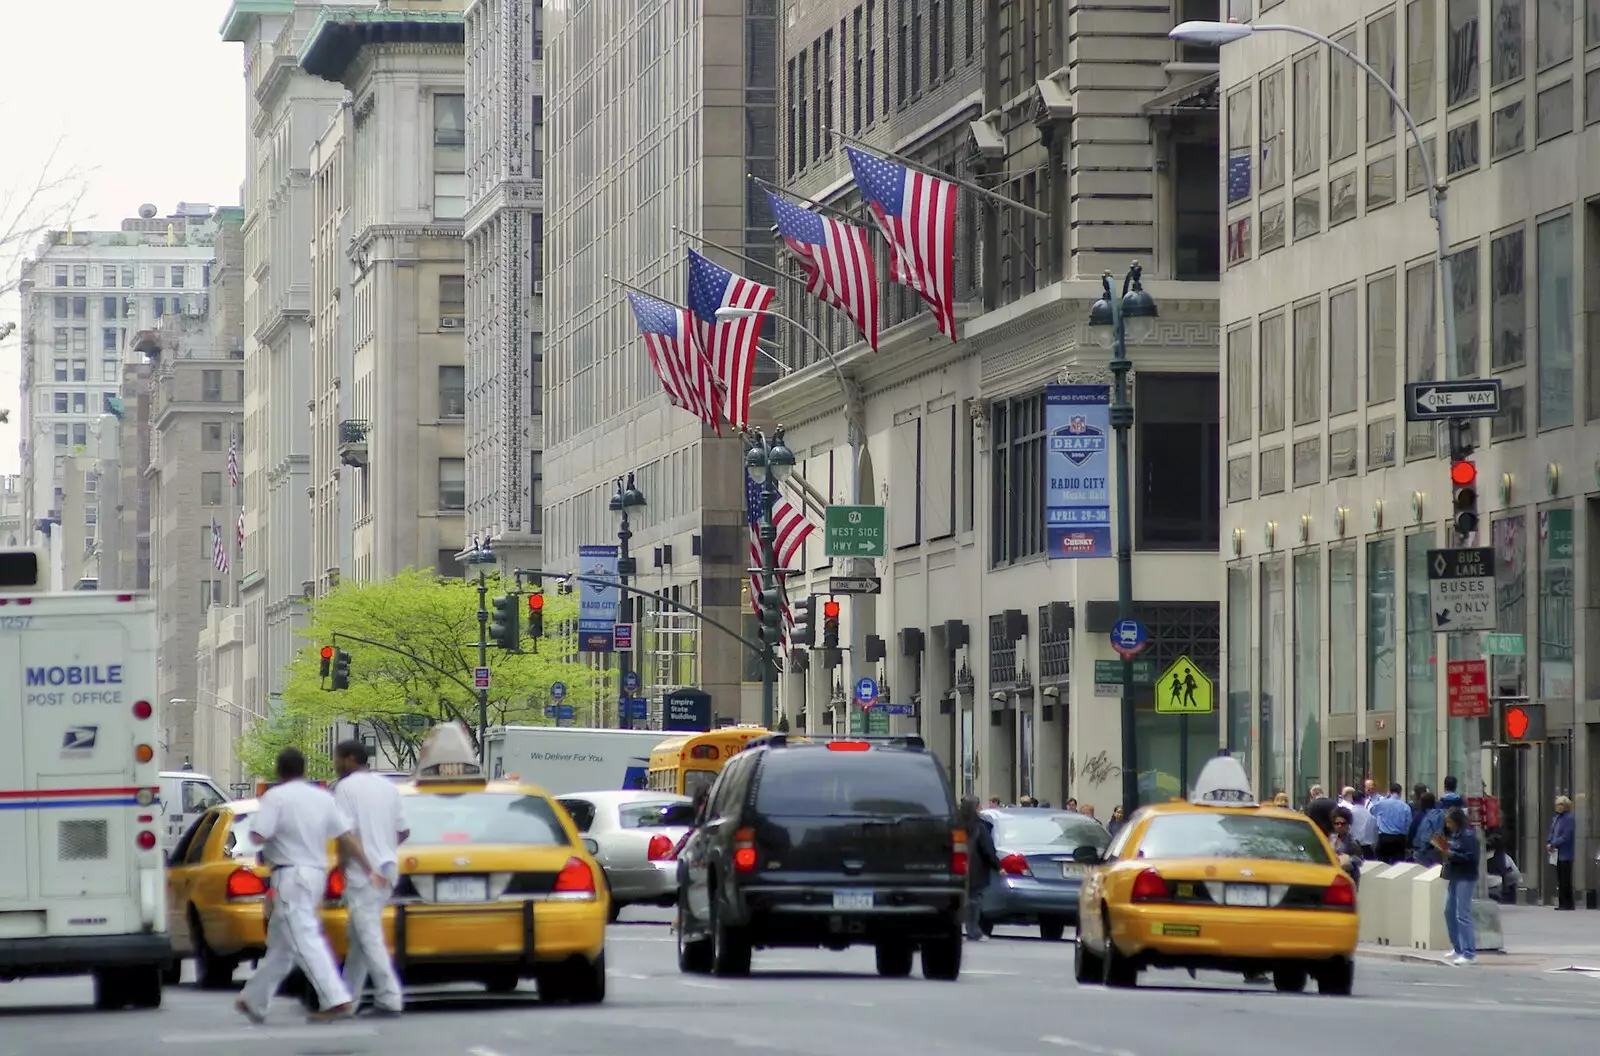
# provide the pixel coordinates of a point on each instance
(598, 605)
(1077, 469)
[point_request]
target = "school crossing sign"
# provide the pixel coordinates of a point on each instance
(1183, 689)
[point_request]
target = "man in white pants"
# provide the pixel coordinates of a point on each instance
(373, 804)
(293, 826)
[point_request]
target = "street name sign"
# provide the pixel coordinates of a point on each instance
(854, 531)
(1461, 589)
(854, 585)
(1431, 401)
(1503, 644)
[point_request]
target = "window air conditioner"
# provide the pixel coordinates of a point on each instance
(538, 288)
(451, 322)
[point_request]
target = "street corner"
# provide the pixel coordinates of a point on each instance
(1403, 954)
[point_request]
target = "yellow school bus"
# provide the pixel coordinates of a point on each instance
(686, 764)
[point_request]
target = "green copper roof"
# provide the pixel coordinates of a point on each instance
(339, 34)
(240, 12)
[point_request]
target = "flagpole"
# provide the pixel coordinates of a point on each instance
(722, 388)
(810, 203)
(982, 192)
(735, 253)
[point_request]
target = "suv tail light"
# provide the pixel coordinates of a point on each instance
(575, 882)
(1341, 894)
(1148, 886)
(1015, 865)
(244, 883)
(660, 848)
(335, 889)
(958, 852)
(744, 851)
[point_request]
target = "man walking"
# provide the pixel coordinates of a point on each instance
(373, 805)
(293, 826)
(1393, 815)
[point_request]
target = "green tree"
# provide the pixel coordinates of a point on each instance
(427, 626)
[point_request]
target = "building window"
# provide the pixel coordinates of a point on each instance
(108, 275)
(110, 307)
(1307, 573)
(857, 72)
(80, 370)
(536, 373)
(1017, 522)
(62, 307)
(108, 339)
(127, 276)
(1461, 74)
(1308, 363)
(536, 135)
(1380, 443)
(63, 437)
(1422, 735)
(1240, 140)
(108, 403)
(1381, 638)
(62, 338)
(449, 175)
(1421, 95)
(61, 275)
(1461, 149)
(1511, 597)
(452, 299)
(211, 436)
(59, 402)
(1505, 41)
(1179, 490)
(1381, 57)
(902, 52)
(1422, 351)
(1556, 589)
(211, 489)
(1508, 129)
(449, 195)
(1512, 421)
(108, 370)
(1272, 115)
(1553, 112)
(1241, 373)
(452, 391)
(160, 307)
(872, 59)
(211, 386)
(449, 120)
(828, 94)
(80, 403)
(80, 275)
(1196, 215)
(210, 593)
(1381, 307)
(1240, 650)
(1508, 309)
(1307, 109)
(1273, 370)
(61, 370)
(1274, 641)
(80, 339)
(447, 567)
(536, 491)
(1464, 308)
(1342, 629)
(1556, 305)
(452, 484)
(1553, 32)
(80, 435)
(794, 119)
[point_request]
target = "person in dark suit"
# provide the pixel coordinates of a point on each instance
(982, 863)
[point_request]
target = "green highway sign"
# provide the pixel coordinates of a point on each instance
(1503, 644)
(1109, 672)
(855, 531)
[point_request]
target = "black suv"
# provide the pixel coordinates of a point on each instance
(819, 842)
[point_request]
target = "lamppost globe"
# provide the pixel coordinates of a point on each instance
(1205, 32)
(728, 312)
(780, 458)
(632, 497)
(755, 463)
(1139, 314)
(1102, 323)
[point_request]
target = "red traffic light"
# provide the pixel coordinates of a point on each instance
(327, 652)
(830, 610)
(535, 602)
(1517, 723)
(1463, 473)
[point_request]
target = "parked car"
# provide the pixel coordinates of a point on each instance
(633, 834)
(1038, 879)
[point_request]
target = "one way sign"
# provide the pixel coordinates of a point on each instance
(1431, 401)
(1461, 589)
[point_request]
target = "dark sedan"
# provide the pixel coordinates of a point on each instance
(1038, 880)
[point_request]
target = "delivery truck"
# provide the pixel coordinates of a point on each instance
(563, 759)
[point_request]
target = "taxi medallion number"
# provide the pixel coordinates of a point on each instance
(461, 889)
(852, 900)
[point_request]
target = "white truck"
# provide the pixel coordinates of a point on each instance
(563, 759)
(83, 878)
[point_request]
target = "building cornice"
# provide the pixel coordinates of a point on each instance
(339, 35)
(360, 245)
(236, 23)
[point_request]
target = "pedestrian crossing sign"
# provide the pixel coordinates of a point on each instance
(1183, 689)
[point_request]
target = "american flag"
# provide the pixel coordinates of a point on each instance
(730, 345)
(669, 339)
(917, 214)
(837, 259)
(219, 549)
(793, 528)
(1238, 176)
(233, 457)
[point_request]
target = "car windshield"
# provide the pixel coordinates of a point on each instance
(483, 817)
(643, 815)
(1063, 830)
(806, 782)
(1227, 835)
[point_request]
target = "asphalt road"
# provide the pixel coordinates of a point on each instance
(1015, 996)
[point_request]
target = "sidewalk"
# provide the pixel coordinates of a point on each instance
(1535, 937)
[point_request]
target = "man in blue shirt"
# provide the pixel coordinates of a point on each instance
(1393, 815)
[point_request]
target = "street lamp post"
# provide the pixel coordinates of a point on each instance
(768, 460)
(855, 435)
(1113, 321)
(481, 554)
(627, 497)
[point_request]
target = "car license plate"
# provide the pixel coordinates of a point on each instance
(461, 889)
(852, 900)
(1245, 895)
(1071, 869)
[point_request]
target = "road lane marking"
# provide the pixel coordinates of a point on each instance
(268, 1034)
(698, 985)
(986, 971)
(1083, 1046)
(481, 1050)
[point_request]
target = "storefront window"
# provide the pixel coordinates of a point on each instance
(1555, 604)
(1307, 674)
(1239, 653)
(1273, 640)
(1380, 626)
(1341, 630)
(1422, 711)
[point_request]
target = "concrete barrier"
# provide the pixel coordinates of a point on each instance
(1385, 904)
(1426, 905)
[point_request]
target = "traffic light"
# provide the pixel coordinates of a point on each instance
(1522, 723)
(805, 621)
(327, 660)
(771, 614)
(536, 615)
(341, 668)
(1464, 482)
(503, 629)
(830, 625)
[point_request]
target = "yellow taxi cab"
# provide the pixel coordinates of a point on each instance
(1218, 882)
(496, 884)
(216, 887)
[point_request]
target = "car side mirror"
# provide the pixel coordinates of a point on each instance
(1086, 854)
(592, 846)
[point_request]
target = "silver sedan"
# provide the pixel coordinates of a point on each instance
(633, 834)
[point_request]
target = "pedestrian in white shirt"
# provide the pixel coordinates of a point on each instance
(293, 826)
(373, 804)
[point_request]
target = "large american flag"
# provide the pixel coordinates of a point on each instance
(219, 549)
(793, 527)
(730, 345)
(837, 260)
(917, 214)
(233, 457)
(669, 339)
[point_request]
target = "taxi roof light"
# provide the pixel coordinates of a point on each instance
(448, 756)
(1223, 783)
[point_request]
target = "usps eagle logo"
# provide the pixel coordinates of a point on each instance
(1078, 440)
(79, 738)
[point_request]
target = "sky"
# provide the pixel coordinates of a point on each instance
(142, 96)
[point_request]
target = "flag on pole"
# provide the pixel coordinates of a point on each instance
(917, 214)
(837, 260)
(729, 344)
(219, 550)
(233, 457)
(793, 527)
(669, 339)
